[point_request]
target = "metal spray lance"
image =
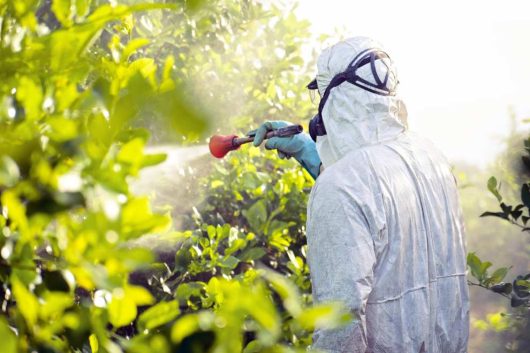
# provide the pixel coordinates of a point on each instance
(220, 145)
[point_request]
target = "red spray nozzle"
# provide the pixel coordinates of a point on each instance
(220, 145)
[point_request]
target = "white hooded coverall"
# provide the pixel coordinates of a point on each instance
(385, 233)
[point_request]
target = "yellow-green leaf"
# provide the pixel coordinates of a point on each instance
(63, 10)
(158, 315)
(122, 311)
(323, 316)
(94, 344)
(9, 172)
(132, 152)
(27, 303)
(184, 327)
(29, 94)
(16, 211)
(62, 129)
(139, 295)
(133, 46)
(7, 337)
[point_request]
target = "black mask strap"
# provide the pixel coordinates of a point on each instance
(337, 80)
(368, 56)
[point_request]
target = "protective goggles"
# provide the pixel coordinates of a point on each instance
(379, 85)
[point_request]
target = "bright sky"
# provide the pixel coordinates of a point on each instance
(462, 64)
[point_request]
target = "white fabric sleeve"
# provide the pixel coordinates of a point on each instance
(341, 259)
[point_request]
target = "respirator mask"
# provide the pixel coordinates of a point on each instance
(378, 85)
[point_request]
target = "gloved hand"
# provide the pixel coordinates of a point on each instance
(299, 146)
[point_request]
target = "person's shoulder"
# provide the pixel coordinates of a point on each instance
(427, 146)
(326, 183)
(343, 179)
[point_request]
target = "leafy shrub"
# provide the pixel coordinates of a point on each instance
(253, 218)
(518, 290)
(75, 77)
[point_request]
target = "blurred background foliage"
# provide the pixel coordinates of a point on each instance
(499, 246)
(118, 232)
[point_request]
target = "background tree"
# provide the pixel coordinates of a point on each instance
(502, 243)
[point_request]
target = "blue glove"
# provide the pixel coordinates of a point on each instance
(299, 146)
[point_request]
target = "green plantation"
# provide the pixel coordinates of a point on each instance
(86, 87)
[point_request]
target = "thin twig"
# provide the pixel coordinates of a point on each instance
(483, 286)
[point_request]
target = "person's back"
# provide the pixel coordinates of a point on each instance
(384, 230)
(401, 214)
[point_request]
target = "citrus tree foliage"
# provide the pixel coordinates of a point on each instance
(72, 83)
(252, 218)
(517, 290)
(245, 62)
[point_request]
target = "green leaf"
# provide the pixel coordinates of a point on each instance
(253, 347)
(521, 287)
(504, 288)
(16, 212)
(110, 12)
(138, 219)
(55, 303)
(250, 181)
(29, 93)
(286, 290)
(216, 183)
(7, 337)
(211, 231)
(229, 262)
(235, 246)
(122, 311)
(494, 214)
(271, 90)
(484, 270)
(27, 272)
(184, 327)
(139, 295)
(194, 5)
(158, 315)
(66, 47)
(256, 215)
(150, 160)
(132, 152)
(493, 188)
(133, 46)
(525, 195)
(26, 302)
(94, 343)
(323, 316)
(474, 264)
(62, 129)
(498, 275)
(9, 172)
(63, 10)
(517, 212)
(82, 7)
(252, 254)
(167, 83)
(187, 290)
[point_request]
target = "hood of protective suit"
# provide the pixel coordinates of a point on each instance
(354, 117)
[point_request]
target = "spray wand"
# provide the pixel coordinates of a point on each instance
(220, 145)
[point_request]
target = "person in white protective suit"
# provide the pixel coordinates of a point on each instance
(384, 231)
